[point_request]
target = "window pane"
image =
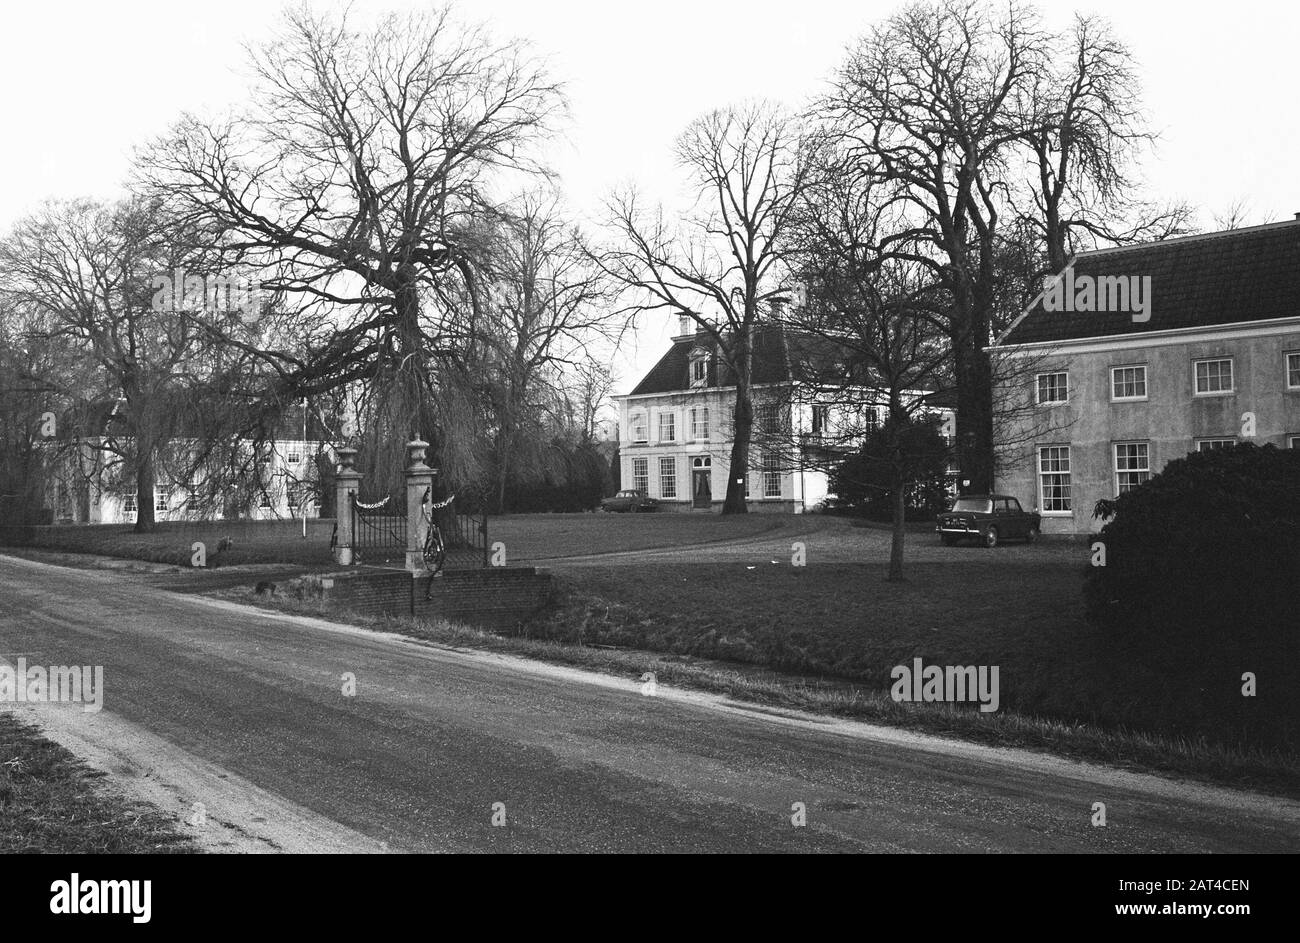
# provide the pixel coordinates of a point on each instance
(1052, 388)
(668, 477)
(641, 474)
(1213, 376)
(771, 475)
(1054, 477)
(1129, 382)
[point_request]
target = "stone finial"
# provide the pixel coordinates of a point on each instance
(415, 451)
(347, 459)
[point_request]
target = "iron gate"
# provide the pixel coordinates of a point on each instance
(378, 530)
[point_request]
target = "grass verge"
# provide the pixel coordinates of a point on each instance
(52, 803)
(1119, 746)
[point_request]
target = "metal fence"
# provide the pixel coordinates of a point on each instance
(378, 530)
(464, 535)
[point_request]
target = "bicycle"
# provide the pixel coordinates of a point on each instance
(435, 547)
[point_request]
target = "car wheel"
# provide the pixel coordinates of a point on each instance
(948, 540)
(991, 537)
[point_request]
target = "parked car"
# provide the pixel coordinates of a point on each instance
(630, 500)
(988, 518)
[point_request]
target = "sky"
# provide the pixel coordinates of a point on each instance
(86, 82)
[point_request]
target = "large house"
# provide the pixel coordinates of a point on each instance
(676, 431)
(1141, 354)
(86, 485)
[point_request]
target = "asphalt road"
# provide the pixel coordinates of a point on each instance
(244, 712)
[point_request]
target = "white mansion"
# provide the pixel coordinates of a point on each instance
(675, 427)
(85, 487)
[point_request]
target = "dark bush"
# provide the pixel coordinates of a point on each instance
(911, 451)
(1200, 582)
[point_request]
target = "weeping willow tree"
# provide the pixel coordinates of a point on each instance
(360, 185)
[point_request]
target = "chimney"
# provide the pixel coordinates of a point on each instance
(1297, 215)
(684, 324)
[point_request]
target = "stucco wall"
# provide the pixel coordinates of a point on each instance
(1171, 419)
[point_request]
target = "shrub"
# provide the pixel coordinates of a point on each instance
(1199, 586)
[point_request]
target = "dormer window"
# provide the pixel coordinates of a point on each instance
(699, 370)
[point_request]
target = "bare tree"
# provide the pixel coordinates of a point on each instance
(1004, 147)
(926, 105)
(548, 301)
(356, 186)
(1085, 133)
(85, 272)
(723, 265)
(879, 323)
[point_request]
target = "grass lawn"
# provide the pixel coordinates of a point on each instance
(253, 542)
(551, 536)
(526, 537)
(846, 621)
(50, 802)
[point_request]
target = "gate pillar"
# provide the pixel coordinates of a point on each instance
(345, 489)
(419, 481)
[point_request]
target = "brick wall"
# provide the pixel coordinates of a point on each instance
(489, 598)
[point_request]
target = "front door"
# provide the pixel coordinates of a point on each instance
(702, 489)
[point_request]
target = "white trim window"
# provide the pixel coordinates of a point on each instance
(699, 371)
(1054, 484)
(641, 475)
(128, 505)
(667, 477)
(1293, 370)
(161, 498)
(821, 419)
(640, 432)
(1212, 377)
(668, 427)
(1128, 384)
(293, 457)
(1132, 465)
(1211, 445)
(771, 475)
(1293, 441)
(1053, 388)
(700, 423)
(767, 419)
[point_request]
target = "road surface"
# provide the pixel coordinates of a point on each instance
(242, 714)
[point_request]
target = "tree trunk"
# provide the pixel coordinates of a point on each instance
(144, 482)
(738, 467)
(899, 534)
(743, 423)
(974, 417)
(502, 475)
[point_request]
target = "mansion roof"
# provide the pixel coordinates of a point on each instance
(1206, 280)
(781, 355)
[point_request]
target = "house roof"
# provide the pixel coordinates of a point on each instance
(781, 354)
(1250, 274)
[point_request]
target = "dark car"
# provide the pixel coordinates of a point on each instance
(629, 500)
(988, 518)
